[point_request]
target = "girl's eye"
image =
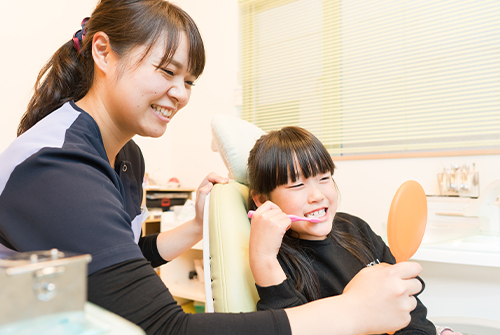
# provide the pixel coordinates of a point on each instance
(296, 185)
(326, 177)
(190, 83)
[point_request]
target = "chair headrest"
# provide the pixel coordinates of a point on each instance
(233, 138)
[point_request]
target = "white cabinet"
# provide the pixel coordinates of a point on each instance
(461, 277)
(175, 275)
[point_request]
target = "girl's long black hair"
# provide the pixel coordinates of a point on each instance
(271, 163)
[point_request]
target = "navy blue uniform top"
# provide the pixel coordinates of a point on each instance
(58, 190)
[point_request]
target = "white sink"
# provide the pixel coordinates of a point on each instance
(469, 326)
(478, 243)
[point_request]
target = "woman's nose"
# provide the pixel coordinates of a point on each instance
(179, 92)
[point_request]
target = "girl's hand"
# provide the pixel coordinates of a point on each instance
(268, 226)
(202, 192)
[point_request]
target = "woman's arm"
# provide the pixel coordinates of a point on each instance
(174, 242)
(377, 300)
(134, 291)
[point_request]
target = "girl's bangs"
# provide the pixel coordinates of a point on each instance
(306, 157)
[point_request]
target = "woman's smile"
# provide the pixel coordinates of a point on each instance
(163, 111)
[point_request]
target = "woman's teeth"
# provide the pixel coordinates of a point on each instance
(162, 111)
(316, 214)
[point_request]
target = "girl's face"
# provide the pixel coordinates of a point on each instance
(144, 98)
(312, 197)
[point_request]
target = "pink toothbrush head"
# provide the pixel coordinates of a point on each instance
(293, 217)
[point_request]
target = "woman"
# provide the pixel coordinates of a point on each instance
(72, 179)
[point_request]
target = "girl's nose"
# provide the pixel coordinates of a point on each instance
(315, 195)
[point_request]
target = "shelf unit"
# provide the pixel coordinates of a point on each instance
(153, 224)
(175, 274)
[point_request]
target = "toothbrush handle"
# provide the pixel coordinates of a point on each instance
(250, 213)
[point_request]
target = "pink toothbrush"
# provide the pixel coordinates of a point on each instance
(293, 217)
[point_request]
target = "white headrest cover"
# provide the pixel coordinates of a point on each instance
(233, 138)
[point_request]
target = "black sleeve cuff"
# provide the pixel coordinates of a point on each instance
(150, 250)
(279, 296)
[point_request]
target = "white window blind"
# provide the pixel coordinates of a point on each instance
(375, 77)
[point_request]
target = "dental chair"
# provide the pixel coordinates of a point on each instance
(229, 283)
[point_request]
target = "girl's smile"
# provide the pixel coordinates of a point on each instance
(309, 197)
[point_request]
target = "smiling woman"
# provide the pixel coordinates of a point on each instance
(127, 72)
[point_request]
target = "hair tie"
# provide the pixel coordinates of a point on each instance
(80, 35)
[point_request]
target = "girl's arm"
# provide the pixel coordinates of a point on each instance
(268, 227)
(174, 242)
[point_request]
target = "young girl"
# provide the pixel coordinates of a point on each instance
(73, 178)
(291, 172)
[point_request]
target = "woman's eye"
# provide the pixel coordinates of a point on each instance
(170, 73)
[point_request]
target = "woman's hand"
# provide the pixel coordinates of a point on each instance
(202, 192)
(269, 225)
(385, 293)
(377, 300)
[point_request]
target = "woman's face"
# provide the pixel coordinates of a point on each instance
(309, 197)
(144, 98)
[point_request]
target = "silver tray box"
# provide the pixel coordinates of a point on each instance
(39, 283)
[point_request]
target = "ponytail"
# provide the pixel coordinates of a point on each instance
(66, 76)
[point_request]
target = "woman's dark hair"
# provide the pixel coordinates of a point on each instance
(69, 74)
(272, 163)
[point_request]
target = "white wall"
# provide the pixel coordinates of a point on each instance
(30, 32)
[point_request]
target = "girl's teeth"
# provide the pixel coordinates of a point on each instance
(319, 213)
(163, 111)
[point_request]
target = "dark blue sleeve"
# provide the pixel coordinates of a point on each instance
(134, 291)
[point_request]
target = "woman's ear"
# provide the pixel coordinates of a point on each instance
(101, 50)
(258, 198)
